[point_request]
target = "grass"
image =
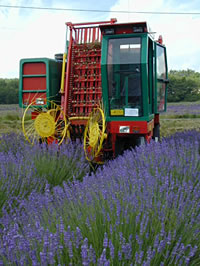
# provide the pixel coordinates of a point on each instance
(185, 103)
(171, 126)
(10, 118)
(10, 124)
(180, 117)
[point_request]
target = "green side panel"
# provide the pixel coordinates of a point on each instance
(39, 80)
(104, 79)
(144, 77)
(55, 71)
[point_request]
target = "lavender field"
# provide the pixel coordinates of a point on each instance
(142, 208)
(183, 110)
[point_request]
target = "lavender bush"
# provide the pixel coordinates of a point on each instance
(12, 143)
(25, 168)
(17, 178)
(53, 163)
(59, 163)
(141, 209)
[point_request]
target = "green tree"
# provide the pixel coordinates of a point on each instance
(9, 89)
(184, 85)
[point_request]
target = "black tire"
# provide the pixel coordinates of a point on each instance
(119, 147)
(156, 133)
(140, 141)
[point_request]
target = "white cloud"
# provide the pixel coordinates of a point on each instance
(38, 34)
(180, 32)
(33, 33)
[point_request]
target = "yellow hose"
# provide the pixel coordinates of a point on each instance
(63, 73)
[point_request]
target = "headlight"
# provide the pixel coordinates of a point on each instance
(39, 101)
(124, 129)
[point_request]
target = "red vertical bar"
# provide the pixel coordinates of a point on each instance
(81, 35)
(94, 35)
(98, 34)
(78, 35)
(85, 35)
(89, 39)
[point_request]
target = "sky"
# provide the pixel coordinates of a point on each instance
(31, 33)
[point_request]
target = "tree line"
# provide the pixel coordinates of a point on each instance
(9, 90)
(184, 85)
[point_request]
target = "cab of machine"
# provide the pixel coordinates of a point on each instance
(134, 72)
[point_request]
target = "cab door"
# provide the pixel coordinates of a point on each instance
(161, 78)
(124, 75)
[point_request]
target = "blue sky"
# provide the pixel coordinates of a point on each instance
(41, 33)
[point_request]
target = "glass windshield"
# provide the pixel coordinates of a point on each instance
(124, 78)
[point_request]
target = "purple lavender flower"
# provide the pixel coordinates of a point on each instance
(84, 252)
(140, 256)
(43, 258)
(78, 237)
(105, 241)
(103, 260)
(119, 255)
(70, 249)
(92, 255)
(112, 249)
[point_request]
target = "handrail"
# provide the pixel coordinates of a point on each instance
(111, 21)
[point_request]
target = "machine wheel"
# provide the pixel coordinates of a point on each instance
(94, 134)
(140, 141)
(48, 125)
(119, 147)
(156, 133)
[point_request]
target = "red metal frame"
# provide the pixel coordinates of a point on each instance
(142, 128)
(111, 21)
(125, 28)
(136, 127)
(156, 119)
(83, 90)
